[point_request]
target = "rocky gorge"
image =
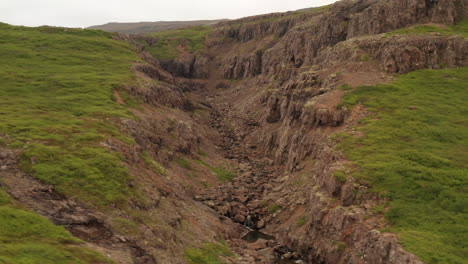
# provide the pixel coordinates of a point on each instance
(289, 69)
(241, 138)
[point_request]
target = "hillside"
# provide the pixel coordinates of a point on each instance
(45, 99)
(70, 152)
(147, 27)
(327, 135)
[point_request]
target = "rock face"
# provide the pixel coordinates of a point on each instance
(308, 34)
(289, 92)
(398, 54)
(250, 28)
(188, 66)
(384, 16)
(242, 66)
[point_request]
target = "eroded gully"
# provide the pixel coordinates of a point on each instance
(242, 199)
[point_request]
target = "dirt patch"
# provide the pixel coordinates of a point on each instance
(118, 98)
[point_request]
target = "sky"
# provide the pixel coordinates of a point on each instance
(84, 13)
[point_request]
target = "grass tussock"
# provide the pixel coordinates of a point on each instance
(415, 153)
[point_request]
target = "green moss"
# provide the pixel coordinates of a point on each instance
(169, 42)
(341, 246)
(4, 198)
(222, 173)
(459, 28)
(125, 226)
(273, 208)
(340, 176)
(379, 209)
(201, 152)
(345, 87)
(301, 221)
(183, 163)
(415, 153)
(57, 103)
(364, 58)
(208, 253)
(154, 165)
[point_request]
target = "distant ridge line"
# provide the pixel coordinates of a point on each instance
(147, 27)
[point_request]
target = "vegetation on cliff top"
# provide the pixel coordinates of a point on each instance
(461, 28)
(415, 152)
(277, 16)
(57, 104)
(170, 44)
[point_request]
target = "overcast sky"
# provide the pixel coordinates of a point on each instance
(84, 13)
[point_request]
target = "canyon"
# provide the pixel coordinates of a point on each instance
(242, 138)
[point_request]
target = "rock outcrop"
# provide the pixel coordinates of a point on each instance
(268, 101)
(255, 27)
(188, 66)
(309, 33)
(242, 66)
(290, 91)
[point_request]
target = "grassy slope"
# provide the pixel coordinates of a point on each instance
(415, 152)
(27, 238)
(167, 47)
(460, 28)
(56, 98)
(57, 105)
(208, 253)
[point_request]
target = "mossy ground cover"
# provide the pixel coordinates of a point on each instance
(167, 46)
(415, 153)
(461, 28)
(208, 253)
(154, 165)
(27, 238)
(56, 97)
(224, 174)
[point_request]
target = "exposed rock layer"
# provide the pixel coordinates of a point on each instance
(294, 110)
